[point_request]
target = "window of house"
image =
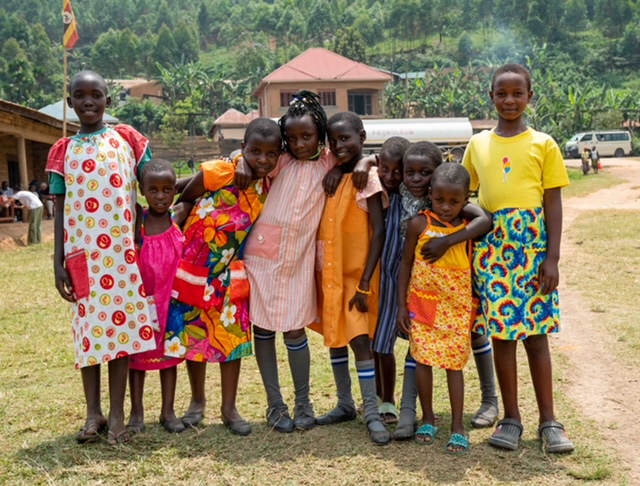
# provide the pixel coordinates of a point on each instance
(328, 97)
(285, 98)
(360, 102)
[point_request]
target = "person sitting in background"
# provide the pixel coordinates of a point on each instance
(6, 189)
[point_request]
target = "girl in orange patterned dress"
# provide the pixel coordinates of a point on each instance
(435, 303)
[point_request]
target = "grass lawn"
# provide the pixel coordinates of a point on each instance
(41, 408)
(582, 185)
(607, 271)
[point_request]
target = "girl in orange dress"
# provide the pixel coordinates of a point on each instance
(350, 241)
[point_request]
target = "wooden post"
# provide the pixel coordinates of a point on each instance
(64, 95)
(22, 164)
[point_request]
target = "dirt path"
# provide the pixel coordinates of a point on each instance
(599, 384)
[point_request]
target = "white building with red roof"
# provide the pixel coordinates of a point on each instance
(343, 85)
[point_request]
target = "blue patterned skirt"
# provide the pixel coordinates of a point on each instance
(505, 264)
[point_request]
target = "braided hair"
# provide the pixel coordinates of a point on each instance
(305, 103)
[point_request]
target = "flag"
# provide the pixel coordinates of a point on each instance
(70, 36)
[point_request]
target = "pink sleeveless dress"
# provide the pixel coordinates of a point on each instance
(158, 260)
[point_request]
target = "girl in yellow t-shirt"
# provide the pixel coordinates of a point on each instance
(520, 173)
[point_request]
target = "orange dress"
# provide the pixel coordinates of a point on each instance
(343, 245)
(440, 303)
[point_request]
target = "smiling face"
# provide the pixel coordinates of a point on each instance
(302, 137)
(89, 98)
(345, 142)
(390, 172)
(510, 95)
(417, 173)
(261, 153)
(159, 188)
(447, 199)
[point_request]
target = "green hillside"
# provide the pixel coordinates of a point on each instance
(211, 54)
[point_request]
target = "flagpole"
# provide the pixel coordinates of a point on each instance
(64, 94)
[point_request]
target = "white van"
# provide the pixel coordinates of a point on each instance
(616, 143)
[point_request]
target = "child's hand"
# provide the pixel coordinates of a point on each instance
(361, 172)
(360, 301)
(331, 181)
(548, 276)
(63, 283)
(244, 174)
(403, 320)
(434, 249)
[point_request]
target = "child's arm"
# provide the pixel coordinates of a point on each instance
(194, 189)
(180, 212)
(376, 219)
(244, 174)
(182, 183)
(361, 171)
(480, 222)
(137, 238)
(548, 273)
(331, 181)
(63, 282)
(415, 228)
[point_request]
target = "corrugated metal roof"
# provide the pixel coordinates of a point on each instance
(55, 110)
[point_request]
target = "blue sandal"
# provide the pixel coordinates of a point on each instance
(426, 431)
(458, 440)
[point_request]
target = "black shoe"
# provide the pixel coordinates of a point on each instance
(303, 417)
(279, 419)
(337, 415)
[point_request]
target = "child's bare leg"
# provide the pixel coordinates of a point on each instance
(136, 388)
(378, 365)
(537, 348)
(504, 355)
(168, 378)
(118, 371)
(387, 371)
(95, 420)
(424, 382)
(197, 372)
(455, 383)
(229, 377)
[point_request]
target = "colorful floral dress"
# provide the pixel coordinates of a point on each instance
(440, 303)
(214, 235)
(100, 194)
(158, 259)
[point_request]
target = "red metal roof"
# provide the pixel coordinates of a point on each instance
(318, 63)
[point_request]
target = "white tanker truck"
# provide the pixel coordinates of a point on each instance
(450, 134)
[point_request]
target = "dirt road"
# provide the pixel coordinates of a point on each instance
(603, 388)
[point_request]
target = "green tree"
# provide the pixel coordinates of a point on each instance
(350, 43)
(16, 79)
(165, 51)
(186, 41)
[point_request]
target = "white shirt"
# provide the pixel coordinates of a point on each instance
(28, 199)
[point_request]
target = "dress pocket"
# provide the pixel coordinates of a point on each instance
(264, 241)
(78, 270)
(238, 282)
(423, 306)
(190, 284)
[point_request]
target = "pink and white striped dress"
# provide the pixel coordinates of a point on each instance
(281, 249)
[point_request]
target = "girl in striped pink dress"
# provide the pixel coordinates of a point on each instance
(280, 258)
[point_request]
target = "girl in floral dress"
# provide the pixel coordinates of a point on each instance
(435, 302)
(210, 324)
(92, 175)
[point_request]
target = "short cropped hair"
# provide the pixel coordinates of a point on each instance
(452, 173)
(425, 149)
(515, 69)
(264, 127)
(350, 117)
(395, 147)
(89, 74)
(156, 166)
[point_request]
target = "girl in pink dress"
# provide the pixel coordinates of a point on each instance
(280, 256)
(159, 241)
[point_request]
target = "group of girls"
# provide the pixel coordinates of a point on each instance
(290, 235)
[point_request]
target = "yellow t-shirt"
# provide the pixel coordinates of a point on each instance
(514, 172)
